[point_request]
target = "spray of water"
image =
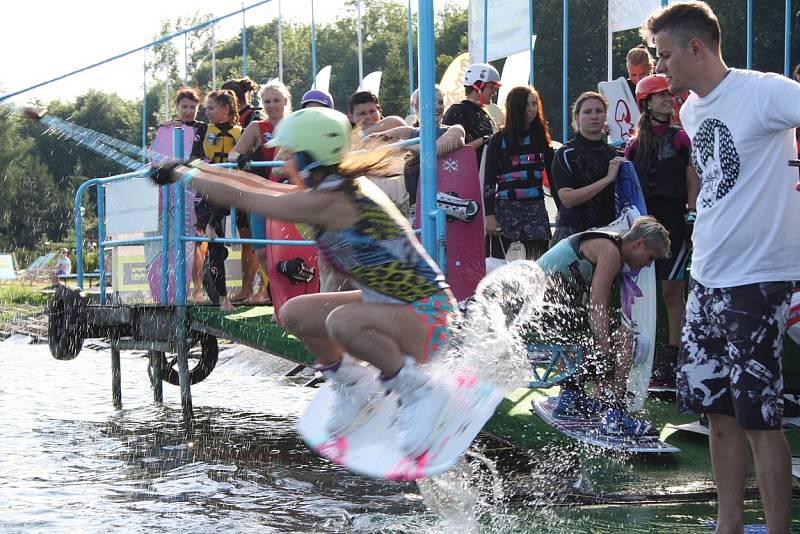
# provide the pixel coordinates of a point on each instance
(128, 155)
(490, 340)
(490, 343)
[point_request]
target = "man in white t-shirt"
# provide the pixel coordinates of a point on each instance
(62, 267)
(746, 256)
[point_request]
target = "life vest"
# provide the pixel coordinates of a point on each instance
(264, 153)
(219, 140)
(666, 178)
(249, 114)
(568, 267)
(522, 171)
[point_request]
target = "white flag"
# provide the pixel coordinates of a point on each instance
(627, 14)
(509, 29)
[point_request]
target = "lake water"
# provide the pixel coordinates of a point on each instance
(70, 462)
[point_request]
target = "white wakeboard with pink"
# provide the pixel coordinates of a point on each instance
(371, 446)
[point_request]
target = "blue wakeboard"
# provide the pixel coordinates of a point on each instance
(628, 190)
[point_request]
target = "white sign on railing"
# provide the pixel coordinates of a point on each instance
(131, 207)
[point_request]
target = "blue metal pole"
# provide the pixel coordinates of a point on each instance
(144, 103)
(787, 32)
(101, 237)
(530, 43)
(165, 201)
(565, 76)
(426, 50)
(313, 49)
(79, 239)
(360, 44)
(177, 153)
(485, 30)
(410, 30)
(180, 250)
(749, 34)
(244, 44)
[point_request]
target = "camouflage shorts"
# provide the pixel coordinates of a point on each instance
(730, 357)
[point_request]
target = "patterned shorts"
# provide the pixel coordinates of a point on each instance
(522, 220)
(730, 357)
(437, 313)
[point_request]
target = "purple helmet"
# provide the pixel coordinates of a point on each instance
(318, 96)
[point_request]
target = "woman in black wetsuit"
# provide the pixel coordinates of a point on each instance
(584, 171)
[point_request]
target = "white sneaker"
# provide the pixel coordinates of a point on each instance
(356, 385)
(421, 403)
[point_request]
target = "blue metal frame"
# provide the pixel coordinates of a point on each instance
(562, 362)
(313, 49)
(244, 44)
(433, 231)
(787, 34)
(530, 44)
(749, 34)
(485, 31)
(410, 31)
(565, 75)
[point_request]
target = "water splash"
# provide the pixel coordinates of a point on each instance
(128, 155)
(491, 344)
(491, 339)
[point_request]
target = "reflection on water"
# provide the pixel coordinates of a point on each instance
(70, 462)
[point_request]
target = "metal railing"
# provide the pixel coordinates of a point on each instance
(177, 191)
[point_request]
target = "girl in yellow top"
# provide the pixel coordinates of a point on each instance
(213, 145)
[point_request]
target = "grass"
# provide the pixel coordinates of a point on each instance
(13, 293)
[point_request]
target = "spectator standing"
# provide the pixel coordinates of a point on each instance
(517, 159)
(584, 171)
(744, 263)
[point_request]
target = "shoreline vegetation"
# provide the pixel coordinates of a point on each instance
(23, 309)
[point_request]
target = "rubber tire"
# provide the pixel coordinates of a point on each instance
(64, 312)
(204, 360)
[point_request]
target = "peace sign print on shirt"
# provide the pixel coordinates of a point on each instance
(715, 157)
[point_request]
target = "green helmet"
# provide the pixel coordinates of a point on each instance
(322, 133)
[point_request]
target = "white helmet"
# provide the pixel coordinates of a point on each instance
(478, 75)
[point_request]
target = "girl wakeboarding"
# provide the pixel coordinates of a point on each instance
(401, 314)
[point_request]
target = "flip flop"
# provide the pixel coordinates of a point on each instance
(259, 302)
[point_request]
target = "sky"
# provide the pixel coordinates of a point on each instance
(57, 37)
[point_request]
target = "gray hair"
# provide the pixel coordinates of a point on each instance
(656, 237)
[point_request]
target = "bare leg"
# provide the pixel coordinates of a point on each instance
(673, 299)
(262, 297)
(225, 304)
(329, 323)
(380, 334)
(729, 458)
(249, 267)
(305, 317)
(198, 266)
(622, 345)
(773, 460)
